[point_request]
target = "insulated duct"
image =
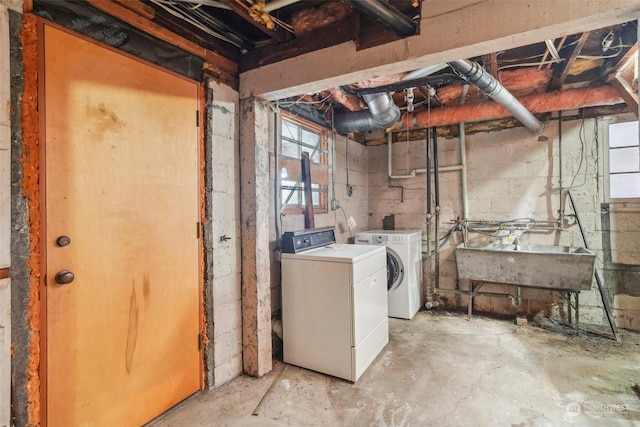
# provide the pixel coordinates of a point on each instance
(479, 77)
(382, 113)
(387, 15)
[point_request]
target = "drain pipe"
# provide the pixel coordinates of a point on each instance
(475, 74)
(462, 142)
(436, 184)
(382, 113)
(429, 292)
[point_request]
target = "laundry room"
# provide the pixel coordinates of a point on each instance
(319, 213)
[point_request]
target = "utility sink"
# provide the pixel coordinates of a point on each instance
(537, 266)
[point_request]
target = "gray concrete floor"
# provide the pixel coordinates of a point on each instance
(441, 369)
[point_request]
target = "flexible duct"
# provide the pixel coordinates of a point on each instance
(475, 74)
(382, 113)
(387, 15)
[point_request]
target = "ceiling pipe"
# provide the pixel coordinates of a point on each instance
(475, 74)
(382, 113)
(277, 4)
(387, 15)
(433, 81)
(379, 101)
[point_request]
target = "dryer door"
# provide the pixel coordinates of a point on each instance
(395, 269)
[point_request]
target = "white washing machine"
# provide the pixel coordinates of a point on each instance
(334, 303)
(404, 268)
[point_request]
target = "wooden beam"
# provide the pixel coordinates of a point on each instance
(627, 93)
(138, 7)
(491, 64)
(332, 34)
(255, 19)
(226, 68)
(561, 70)
(538, 103)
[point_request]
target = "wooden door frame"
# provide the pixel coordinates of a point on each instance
(34, 189)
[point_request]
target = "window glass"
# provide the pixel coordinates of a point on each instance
(624, 160)
(625, 185)
(299, 136)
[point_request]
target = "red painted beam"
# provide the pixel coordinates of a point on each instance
(539, 103)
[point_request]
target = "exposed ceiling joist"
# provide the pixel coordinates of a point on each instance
(138, 7)
(539, 103)
(561, 70)
(260, 20)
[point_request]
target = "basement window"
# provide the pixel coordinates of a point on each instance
(298, 136)
(624, 161)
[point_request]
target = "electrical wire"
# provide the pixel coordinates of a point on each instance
(346, 221)
(530, 64)
(171, 7)
(581, 136)
(300, 102)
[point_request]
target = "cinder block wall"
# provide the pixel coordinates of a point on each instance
(348, 154)
(513, 174)
(225, 236)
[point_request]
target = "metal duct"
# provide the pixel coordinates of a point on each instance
(387, 15)
(382, 113)
(475, 74)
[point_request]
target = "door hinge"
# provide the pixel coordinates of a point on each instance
(198, 226)
(200, 342)
(197, 118)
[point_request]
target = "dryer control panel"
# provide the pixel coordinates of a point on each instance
(303, 240)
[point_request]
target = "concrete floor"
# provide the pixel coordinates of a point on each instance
(441, 369)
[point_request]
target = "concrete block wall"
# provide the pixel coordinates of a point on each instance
(225, 237)
(348, 155)
(511, 174)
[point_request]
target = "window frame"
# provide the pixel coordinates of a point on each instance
(323, 165)
(606, 172)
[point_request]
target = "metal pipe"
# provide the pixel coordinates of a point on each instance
(277, 4)
(560, 210)
(423, 72)
(436, 184)
(429, 291)
(277, 196)
(475, 74)
(387, 15)
(482, 294)
(383, 113)
(433, 81)
(603, 295)
(462, 141)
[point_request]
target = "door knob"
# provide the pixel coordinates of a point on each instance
(64, 277)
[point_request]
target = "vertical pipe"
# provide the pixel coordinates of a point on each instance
(462, 138)
(560, 210)
(436, 182)
(276, 184)
(429, 298)
(333, 158)
(389, 154)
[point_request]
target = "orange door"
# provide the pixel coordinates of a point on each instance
(121, 156)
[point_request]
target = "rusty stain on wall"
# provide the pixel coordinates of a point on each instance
(31, 190)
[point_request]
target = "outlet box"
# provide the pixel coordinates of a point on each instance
(335, 205)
